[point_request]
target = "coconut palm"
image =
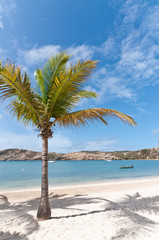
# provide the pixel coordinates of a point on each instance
(59, 88)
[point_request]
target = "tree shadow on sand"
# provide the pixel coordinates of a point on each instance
(13, 236)
(127, 211)
(14, 215)
(132, 208)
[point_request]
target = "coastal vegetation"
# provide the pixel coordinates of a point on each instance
(51, 102)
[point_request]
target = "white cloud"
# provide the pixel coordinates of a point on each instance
(139, 57)
(156, 130)
(60, 143)
(113, 86)
(131, 52)
(82, 52)
(151, 20)
(41, 54)
(109, 47)
(1, 23)
(37, 55)
(109, 86)
(131, 12)
(7, 8)
(137, 63)
(13, 140)
(99, 145)
(31, 141)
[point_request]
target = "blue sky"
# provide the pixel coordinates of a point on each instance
(122, 35)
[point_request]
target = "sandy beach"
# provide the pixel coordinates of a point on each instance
(113, 210)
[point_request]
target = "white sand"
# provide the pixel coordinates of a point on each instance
(123, 210)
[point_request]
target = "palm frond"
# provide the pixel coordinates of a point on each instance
(69, 84)
(52, 69)
(14, 84)
(87, 94)
(83, 117)
(40, 84)
(23, 113)
(66, 104)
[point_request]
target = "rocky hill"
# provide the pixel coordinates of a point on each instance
(116, 155)
(20, 154)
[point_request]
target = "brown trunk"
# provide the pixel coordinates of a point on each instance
(44, 211)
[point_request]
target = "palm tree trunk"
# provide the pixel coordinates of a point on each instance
(44, 211)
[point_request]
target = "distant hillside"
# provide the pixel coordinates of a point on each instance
(116, 155)
(20, 154)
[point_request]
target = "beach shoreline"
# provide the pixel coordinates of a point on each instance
(81, 184)
(112, 210)
(91, 187)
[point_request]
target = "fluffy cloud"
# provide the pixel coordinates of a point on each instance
(7, 8)
(37, 55)
(108, 86)
(109, 48)
(139, 47)
(131, 53)
(82, 52)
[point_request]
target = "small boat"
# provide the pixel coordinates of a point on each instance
(126, 166)
(51, 161)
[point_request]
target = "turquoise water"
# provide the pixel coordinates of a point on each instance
(25, 174)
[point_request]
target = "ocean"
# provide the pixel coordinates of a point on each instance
(16, 175)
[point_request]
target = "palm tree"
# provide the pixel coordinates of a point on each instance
(59, 88)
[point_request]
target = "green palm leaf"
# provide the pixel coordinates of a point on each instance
(87, 94)
(24, 113)
(83, 117)
(46, 77)
(68, 85)
(13, 83)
